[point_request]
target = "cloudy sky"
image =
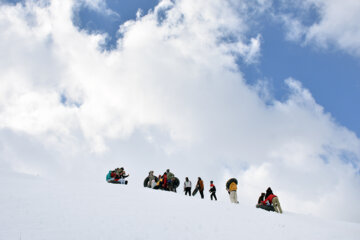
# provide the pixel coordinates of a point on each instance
(265, 91)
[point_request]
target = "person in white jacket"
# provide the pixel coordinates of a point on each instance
(187, 186)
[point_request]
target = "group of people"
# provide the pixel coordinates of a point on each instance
(117, 176)
(269, 201)
(199, 188)
(166, 182)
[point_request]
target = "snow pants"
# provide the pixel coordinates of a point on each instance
(188, 190)
(202, 194)
(213, 195)
(233, 197)
(276, 204)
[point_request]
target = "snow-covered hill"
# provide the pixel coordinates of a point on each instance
(32, 208)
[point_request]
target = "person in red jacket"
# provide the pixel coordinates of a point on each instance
(212, 191)
(274, 200)
(165, 181)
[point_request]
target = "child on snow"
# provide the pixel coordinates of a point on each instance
(212, 191)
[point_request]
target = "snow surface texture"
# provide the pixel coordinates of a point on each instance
(33, 208)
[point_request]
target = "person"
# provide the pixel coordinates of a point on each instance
(153, 183)
(117, 172)
(200, 186)
(165, 181)
(122, 174)
(110, 176)
(274, 200)
(268, 192)
(261, 198)
(212, 191)
(151, 179)
(170, 178)
(232, 192)
(159, 183)
(187, 186)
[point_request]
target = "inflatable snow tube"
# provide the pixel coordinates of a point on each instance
(146, 181)
(175, 183)
(231, 180)
(117, 181)
(266, 207)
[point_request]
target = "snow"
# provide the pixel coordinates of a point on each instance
(35, 208)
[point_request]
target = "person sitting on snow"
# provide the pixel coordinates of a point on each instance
(165, 184)
(268, 192)
(120, 173)
(261, 198)
(266, 206)
(159, 182)
(273, 200)
(110, 176)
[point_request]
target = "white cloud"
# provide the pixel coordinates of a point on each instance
(170, 95)
(338, 24)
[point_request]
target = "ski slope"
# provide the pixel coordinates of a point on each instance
(33, 208)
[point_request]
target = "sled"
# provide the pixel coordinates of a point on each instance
(117, 181)
(146, 181)
(231, 180)
(266, 207)
(195, 191)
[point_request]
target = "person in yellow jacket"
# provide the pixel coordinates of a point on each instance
(232, 191)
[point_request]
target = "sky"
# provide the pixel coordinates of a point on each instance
(264, 91)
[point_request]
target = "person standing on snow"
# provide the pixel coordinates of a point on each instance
(274, 200)
(212, 191)
(170, 179)
(187, 186)
(200, 186)
(232, 191)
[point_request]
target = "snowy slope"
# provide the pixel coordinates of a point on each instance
(33, 209)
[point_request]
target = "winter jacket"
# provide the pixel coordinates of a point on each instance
(212, 188)
(108, 176)
(200, 185)
(268, 192)
(187, 184)
(261, 198)
(165, 181)
(159, 182)
(151, 176)
(170, 175)
(232, 187)
(269, 198)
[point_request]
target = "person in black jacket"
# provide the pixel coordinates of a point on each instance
(268, 192)
(212, 191)
(261, 198)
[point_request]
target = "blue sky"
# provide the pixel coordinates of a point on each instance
(332, 76)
